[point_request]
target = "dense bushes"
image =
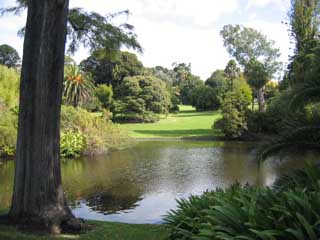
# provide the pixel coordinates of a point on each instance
(290, 210)
(205, 98)
(9, 82)
(98, 131)
(234, 107)
(141, 98)
(8, 132)
(72, 144)
(81, 133)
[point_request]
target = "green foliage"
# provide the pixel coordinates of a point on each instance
(290, 211)
(232, 71)
(256, 74)
(112, 69)
(100, 134)
(8, 132)
(234, 106)
(205, 98)
(104, 93)
(9, 86)
(8, 56)
(78, 87)
(91, 29)
(72, 144)
(246, 44)
(141, 97)
(97, 32)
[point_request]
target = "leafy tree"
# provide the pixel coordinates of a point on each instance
(233, 123)
(91, 29)
(38, 197)
(169, 76)
(218, 81)
(234, 107)
(9, 87)
(257, 77)
(205, 98)
(104, 94)
(112, 69)
(232, 71)
(183, 72)
(77, 86)
(304, 30)
(249, 46)
(9, 56)
(246, 44)
(187, 87)
(152, 90)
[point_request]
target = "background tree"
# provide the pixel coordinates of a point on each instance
(304, 30)
(38, 198)
(205, 98)
(9, 56)
(91, 29)
(77, 86)
(112, 69)
(249, 46)
(257, 77)
(232, 71)
(104, 93)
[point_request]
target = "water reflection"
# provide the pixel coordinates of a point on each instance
(140, 184)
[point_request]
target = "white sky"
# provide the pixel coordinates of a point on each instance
(179, 30)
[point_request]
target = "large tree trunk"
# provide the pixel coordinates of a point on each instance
(38, 198)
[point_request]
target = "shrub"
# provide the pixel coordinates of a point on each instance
(145, 117)
(9, 86)
(72, 144)
(290, 211)
(104, 93)
(205, 98)
(98, 130)
(8, 133)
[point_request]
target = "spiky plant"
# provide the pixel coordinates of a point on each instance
(78, 86)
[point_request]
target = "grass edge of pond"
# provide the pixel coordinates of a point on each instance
(102, 230)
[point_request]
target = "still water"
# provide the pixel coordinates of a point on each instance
(140, 184)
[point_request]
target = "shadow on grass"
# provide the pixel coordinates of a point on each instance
(196, 114)
(187, 111)
(181, 133)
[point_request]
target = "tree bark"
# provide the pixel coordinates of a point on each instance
(38, 198)
(261, 100)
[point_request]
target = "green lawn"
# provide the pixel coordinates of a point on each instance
(102, 231)
(186, 124)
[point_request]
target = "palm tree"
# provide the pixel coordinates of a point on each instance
(78, 86)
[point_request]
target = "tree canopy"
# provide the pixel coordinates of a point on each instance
(246, 44)
(8, 56)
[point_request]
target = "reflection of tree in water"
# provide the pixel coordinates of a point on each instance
(6, 183)
(124, 196)
(108, 203)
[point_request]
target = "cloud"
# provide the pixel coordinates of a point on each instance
(282, 4)
(178, 30)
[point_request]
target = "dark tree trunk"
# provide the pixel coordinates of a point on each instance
(38, 198)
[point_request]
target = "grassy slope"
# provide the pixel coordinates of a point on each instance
(102, 231)
(187, 123)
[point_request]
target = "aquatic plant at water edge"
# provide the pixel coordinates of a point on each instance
(246, 212)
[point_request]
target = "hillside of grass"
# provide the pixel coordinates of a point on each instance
(188, 123)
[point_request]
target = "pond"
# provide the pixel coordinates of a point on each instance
(140, 184)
